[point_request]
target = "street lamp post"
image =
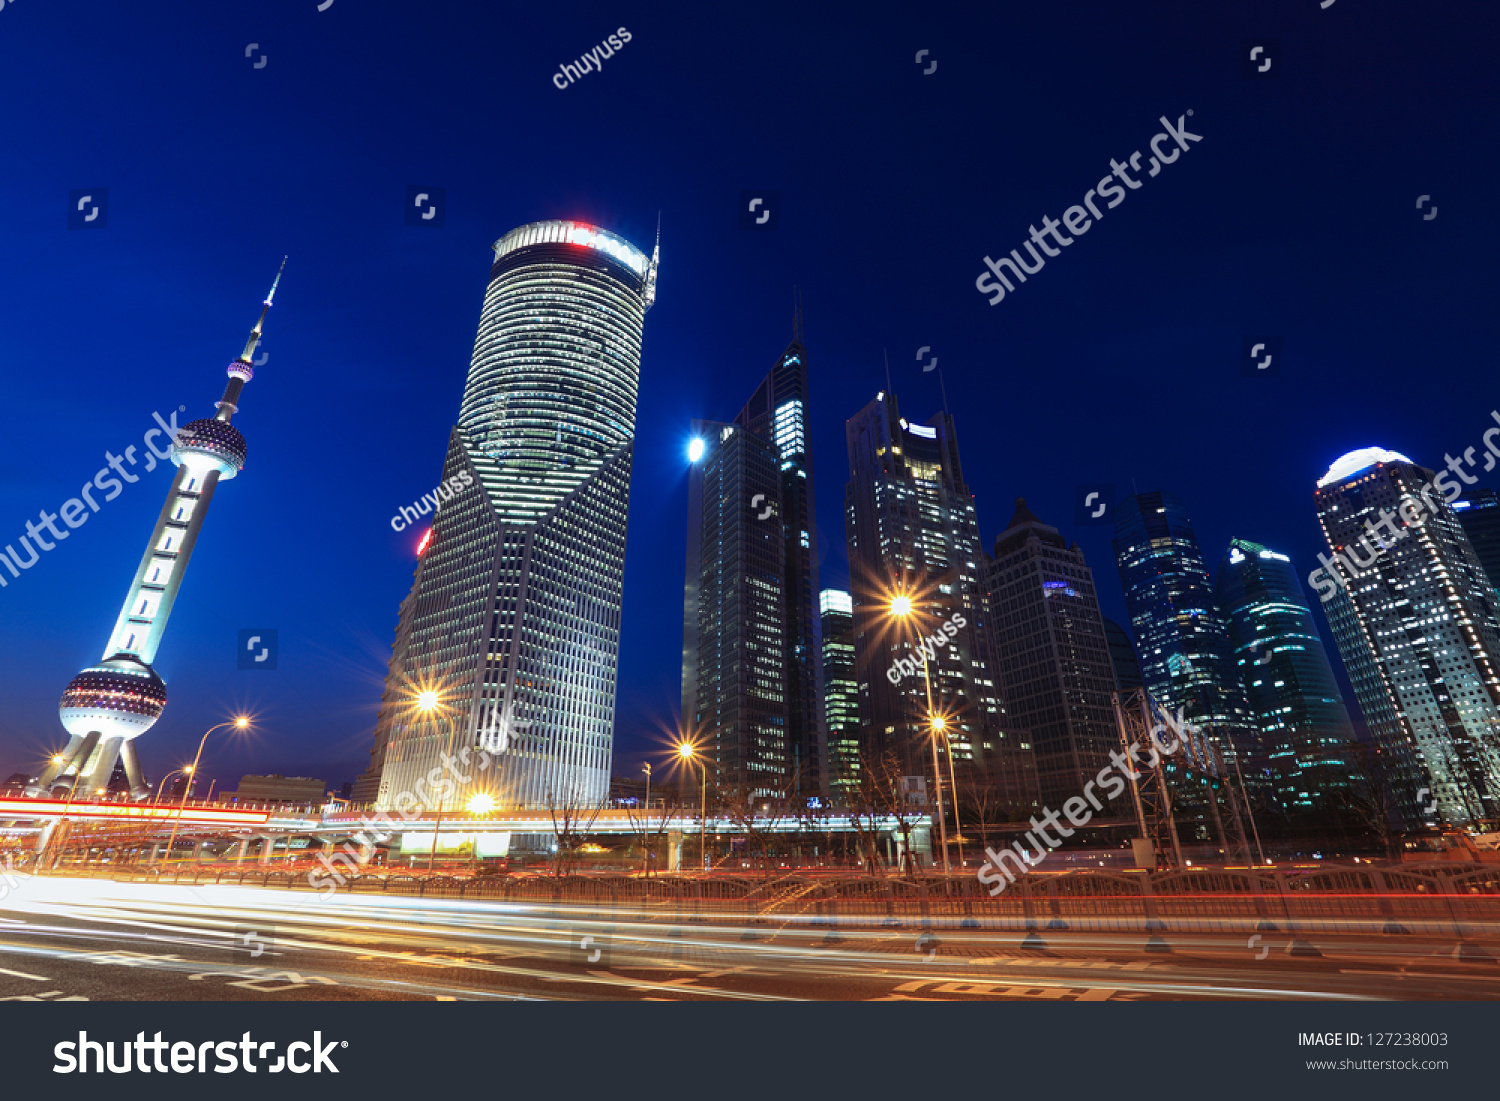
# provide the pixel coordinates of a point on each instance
(903, 609)
(192, 770)
(429, 702)
(687, 753)
(647, 819)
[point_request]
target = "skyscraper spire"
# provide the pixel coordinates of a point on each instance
(247, 356)
(796, 316)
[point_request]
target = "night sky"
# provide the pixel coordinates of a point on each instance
(1119, 362)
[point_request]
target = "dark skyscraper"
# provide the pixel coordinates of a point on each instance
(779, 412)
(733, 651)
(1053, 653)
(913, 533)
(1289, 684)
(840, 693)
(1122, 657)
(1479, 513)
(1417, 621)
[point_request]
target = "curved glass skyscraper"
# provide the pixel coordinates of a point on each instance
(514, 616)
(1293, 698)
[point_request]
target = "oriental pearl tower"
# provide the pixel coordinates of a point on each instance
(107, 706)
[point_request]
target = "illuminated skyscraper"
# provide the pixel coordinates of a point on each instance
(840, 693)
(734, 678)
(1417, 622)
(913, 532)
(1182, 635)
(1289, 684)
(514, 617)
(107, 706)
(1187, 664)
(779, 411)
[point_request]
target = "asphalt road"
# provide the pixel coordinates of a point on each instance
(92, 939)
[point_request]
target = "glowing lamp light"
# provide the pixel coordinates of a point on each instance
(685, 751)
(422, 544)
(427, 700)
(901, 606)
(695, 450)
(481, 804)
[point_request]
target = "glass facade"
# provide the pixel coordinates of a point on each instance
(778, 412)
(1182, 639)
(1288, 681)
(1417, 621)
(514, 615)
(734, 677)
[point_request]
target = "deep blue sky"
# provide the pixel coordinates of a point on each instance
(1295, 216)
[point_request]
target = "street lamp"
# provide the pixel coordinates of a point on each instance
(430, 703)
(903, 610)
(481, 804)
(687, 752)
(192, 770)
(647, 819)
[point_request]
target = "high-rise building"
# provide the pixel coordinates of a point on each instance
(779, 411)
(913, 534)
(734, 677)
(1289, 683)
(1122, 657)
(1479, 513)
(107, 706)
(840, 693)
(514, 616)
(1187, 664)
(1182, 636)
(1054, 654)
(1418, 623)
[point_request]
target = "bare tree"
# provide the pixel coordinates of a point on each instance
(572, 820)
(651, 834)
(758, 811)
(1370, 801)
(979, 804)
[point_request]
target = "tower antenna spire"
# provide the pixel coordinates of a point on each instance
(796, 316)
(248, 355)
(887, 356)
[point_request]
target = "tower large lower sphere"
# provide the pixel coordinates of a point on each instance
(107, 706)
